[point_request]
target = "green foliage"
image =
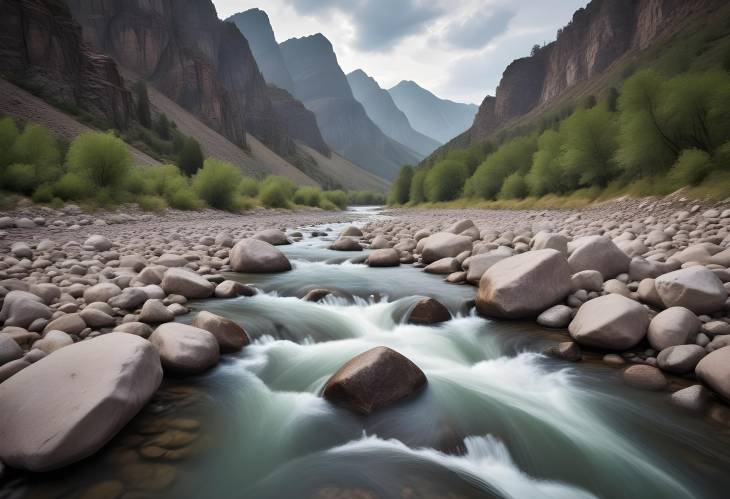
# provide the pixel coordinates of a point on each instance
(216, 184)
(190, 159)
(514, 187)
(327, 205)
(18, 178)
(102, 158)
(276, 192)
(338, 198)
(546, 173)
(417, 192)
(152, 203)
(589, 145)
(308, 196)
(143, 104)
(43, 194)
(400, 190)
(8, 135)
(365, 198)
(691, 168)
(162, 127)
(72, 186)
(511, 157)
(36, 146)
(249, 187)
(445, 180)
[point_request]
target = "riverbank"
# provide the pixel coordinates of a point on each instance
(73, 278)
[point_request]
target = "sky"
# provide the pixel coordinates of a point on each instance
(457, 49)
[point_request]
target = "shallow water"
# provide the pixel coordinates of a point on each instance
(497, 419)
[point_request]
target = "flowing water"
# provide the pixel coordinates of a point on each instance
(497, 418)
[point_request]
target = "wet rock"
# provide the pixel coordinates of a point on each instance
(97, 385)
(387, 257)
(232, 289)
(644, 377)
(345, 244)
(443, 245)
(598, 253)
(444, 266)
(186, 283)
(680, 359)
(524, 285)
(613, 322)
(252, 255)
(272, 236)
(714, 370)
(185, 349)
(317, 294)
(694, 398)
(154, 312)
(428, 311)
(230, 336)
(351, 231)
(695, 288)
(566, 350)
(558, 316)
(673, 326)
(374, 380)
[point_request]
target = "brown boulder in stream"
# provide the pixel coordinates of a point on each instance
(428, 311)
(373, 380)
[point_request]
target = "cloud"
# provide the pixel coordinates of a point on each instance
(477, 30)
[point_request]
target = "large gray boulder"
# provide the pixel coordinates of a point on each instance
(524, 285)
(185, 349)
(230, 336)
(479, 264)
(255, 256)
(373, 380)
(680, 359)
(549, 240)
(673, 326)
(21, 308)
(441, 245)
(179, 281)
(714, 370)
(274, 237)
(101, 292)
(66, 406)
(612, 322)
(696, 288)
(598, 253)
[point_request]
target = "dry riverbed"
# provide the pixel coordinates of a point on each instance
(89, 302)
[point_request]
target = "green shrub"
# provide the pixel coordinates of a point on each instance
(338, 198)
(244, 203)
(328, 205)
(36, 146)
(249, 187)
(691, 168)
(18, 178)
(445, 180)
(183, 199)
(190, 159)
(102, 158)
(72, 186)
(308, 196)
(43, 194)
(136, 183)
(400, 190)
(510, 157)
(276, 192)
(417, 193)
(216, 183)
(152, 203)
(514, 187)
(365, 198)
(8, 135)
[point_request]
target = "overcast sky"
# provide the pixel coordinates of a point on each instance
(455, 48)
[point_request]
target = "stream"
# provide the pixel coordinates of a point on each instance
(497, 418)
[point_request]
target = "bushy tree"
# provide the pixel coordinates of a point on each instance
(589, 146)
(546, 174)
(36, 146)
(276, 192)
(217, 183)
(190, 159)
(417, 193)
(514, 187)
(162, 127)
(510, 157)
(143, 104)
(249, 187)
(8, 135)
(102, 158)
(400, 190)
(337, 198)
(308, 196)
(445, 180)
(691, 168)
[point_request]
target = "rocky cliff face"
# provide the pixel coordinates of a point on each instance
(299, 121)
(323, 88)
(597, 36)
(184, 50)
(41, 48)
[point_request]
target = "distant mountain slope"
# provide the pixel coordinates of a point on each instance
(255, 26)
(438, 118)
(345, 173)
(380, 107)
(346, 127)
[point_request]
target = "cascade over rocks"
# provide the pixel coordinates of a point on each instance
(524, 285)
(373, 380)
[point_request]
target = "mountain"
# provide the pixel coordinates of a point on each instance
(437, 118)
(322, 87)
(184, 50)
(255, 26)
(42, 50)
(583, 58)
(380, 108)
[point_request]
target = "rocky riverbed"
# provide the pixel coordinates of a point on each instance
(93, 304)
